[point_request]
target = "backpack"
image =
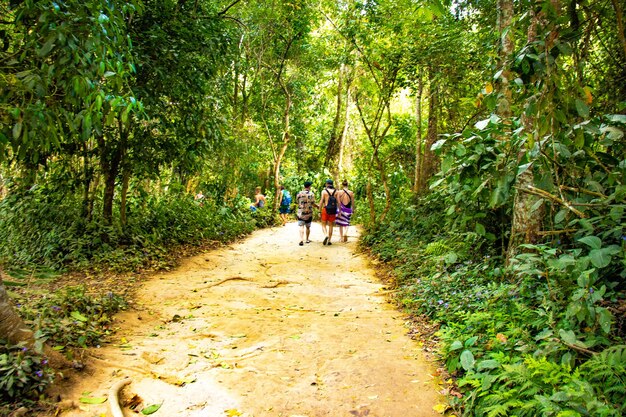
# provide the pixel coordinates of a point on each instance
(286, 201)
(331, 205)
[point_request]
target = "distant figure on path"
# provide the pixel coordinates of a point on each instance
(259, 199)
(328, 205)
(345, 197)
(285, 202)
(306, 202)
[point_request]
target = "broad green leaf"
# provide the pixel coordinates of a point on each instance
(488, 364)
(92, 400)
(471, 341)
(456, 345)
(151, 409)
(77, 316)
(604, 318)
(600, 258)
(480, 229)
(560, 216)
(467, 360)
(450, 258)
(582, 108)
(593, 242)
(522, 168)
(437, 144)
(568, 336)
(17, 130)
(482, 124)
(612, 133)
(545, 333)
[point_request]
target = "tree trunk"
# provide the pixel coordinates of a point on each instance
(334, 144)
(528, 210)
(281, 153)
(87, 204)
(418, 138)
(344, 133)
(14, 330)
(125, 183)
(429, 163)
(507, 47)
(619, 13)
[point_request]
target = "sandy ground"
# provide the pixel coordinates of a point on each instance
(263, 327)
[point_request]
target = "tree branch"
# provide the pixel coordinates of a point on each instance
(223, 12)
(543, 193)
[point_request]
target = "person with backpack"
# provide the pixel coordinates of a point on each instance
(306, 201)
(285, 202)
(345, 197)
(328, 204)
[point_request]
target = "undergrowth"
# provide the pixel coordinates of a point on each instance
(67, 320)
(535, 339)
(47, 228)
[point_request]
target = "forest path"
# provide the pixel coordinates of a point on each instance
(264, 327)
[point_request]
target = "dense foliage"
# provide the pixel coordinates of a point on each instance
(484, 141)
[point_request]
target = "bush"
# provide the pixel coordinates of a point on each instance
(24, 374)
(72, 318)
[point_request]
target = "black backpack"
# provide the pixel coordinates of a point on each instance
(331, 206)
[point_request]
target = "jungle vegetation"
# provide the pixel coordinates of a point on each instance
(484, 140)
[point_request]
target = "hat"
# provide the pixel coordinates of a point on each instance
(307, 184)
(329, 181)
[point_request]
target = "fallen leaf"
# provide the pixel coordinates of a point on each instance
(151, 409)
(92, 400)
(440, 408)
(232, 412)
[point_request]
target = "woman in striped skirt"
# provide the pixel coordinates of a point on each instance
(345, 197)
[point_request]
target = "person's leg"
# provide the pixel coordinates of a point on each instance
(301, 223)
(330, 231)
(341, 233)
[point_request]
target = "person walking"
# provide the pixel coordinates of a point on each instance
(306, 201)
(328, 205)
(285, 202)
(345, 198)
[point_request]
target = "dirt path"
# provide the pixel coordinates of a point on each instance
(265, 328)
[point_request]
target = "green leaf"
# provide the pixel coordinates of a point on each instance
(77, 316)
(593, 242)
(17, 130)
(604, 318)
(568, 336)
(488, 364)
(467, 360)
(600, 258)
(151, 409)
(560, 216)
(482, 124)
(456, 345)
(582, 108)
(92, 400)
(480, 229)
(471, 341)
(438, 144)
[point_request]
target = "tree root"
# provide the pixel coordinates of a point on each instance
(226, 280)
(116, 410)
(276, 284)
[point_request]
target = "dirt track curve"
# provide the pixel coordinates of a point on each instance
(263, 327)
